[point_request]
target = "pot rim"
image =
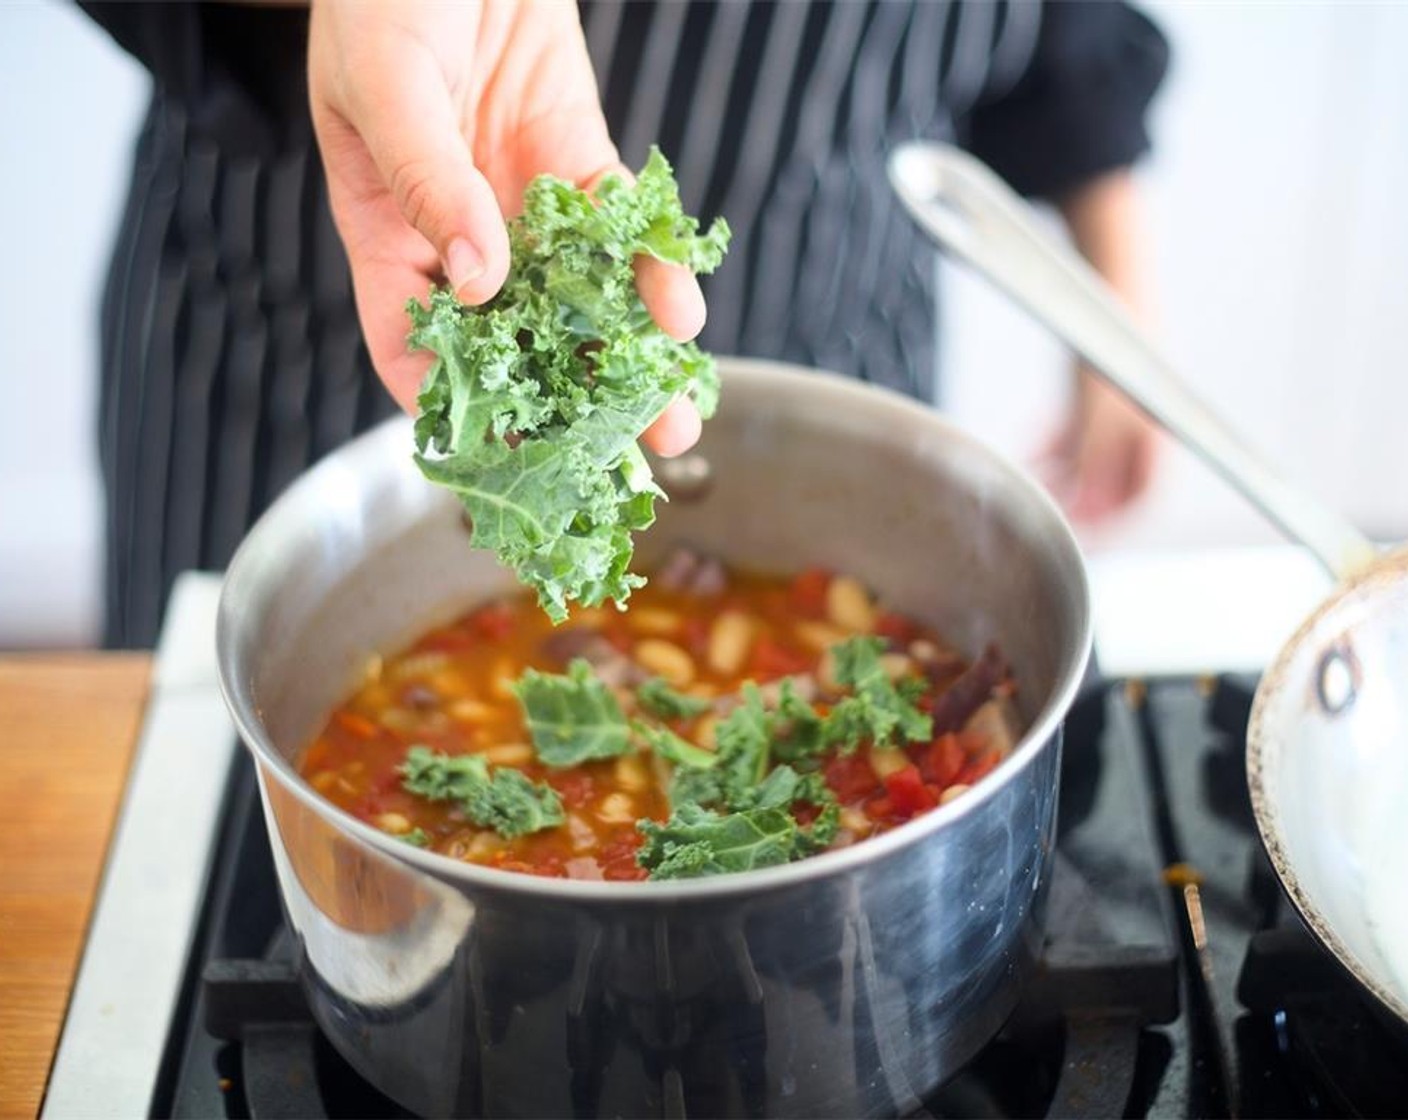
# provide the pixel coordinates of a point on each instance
(850, 395)
(1264, 752)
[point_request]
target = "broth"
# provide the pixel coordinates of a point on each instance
(703, 631)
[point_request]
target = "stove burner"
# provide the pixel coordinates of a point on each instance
(1160, 895)
(1325, 1048)
(1090, 1013)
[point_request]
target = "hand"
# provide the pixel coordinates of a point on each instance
(432, 118)
(1104, 458)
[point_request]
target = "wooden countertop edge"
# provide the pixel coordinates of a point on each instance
(70, 723)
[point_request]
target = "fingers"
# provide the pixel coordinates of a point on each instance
(412, 133)
(390, 263)
(672, 296)
(1103, 461)
(676, 429)
(670, 292)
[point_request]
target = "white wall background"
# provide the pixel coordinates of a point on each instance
(1275, 204)
(70, 106)
(1280, 253)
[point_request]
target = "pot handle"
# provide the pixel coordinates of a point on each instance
(976, 217)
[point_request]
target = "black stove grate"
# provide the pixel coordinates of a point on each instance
(1160, 892)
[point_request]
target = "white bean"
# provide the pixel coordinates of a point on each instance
(848, 605)
(821, 636)
(448, 682)
(617, 808)
(469, 710)
(921, 649)
(665, 659)
(502, 678)
(653, 620)
(706, 732)
(583, 837)
(952, 792)
(730, 639)
(631, 774)
(887, 761)
(394, 823)
(485, 844)
(896, 666)
(509, 754)
(418, 665)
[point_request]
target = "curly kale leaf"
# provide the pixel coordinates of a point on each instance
(879, 710)
(697, 841)
(572, 718)
(659, 699)
(531, 409)
(675, 748)
(502, 799)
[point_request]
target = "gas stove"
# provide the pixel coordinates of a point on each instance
(1175, 980)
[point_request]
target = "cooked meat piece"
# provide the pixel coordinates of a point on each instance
(613, 668)
(956, 705)
(686, 570)
(708, 578)
(997, 721)
(803, 684)
(420, 697)
(676, 572)
(564, 645)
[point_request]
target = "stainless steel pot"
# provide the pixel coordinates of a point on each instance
(849, 984)
(1327, 743)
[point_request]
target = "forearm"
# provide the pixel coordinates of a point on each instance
(1106, 224)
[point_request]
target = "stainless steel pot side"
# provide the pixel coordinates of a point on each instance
(849, 984)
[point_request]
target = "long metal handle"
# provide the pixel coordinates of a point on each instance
(971, 213)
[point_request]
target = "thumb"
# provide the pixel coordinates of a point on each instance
(411, 131)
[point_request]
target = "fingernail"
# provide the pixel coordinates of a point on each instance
(463, 264)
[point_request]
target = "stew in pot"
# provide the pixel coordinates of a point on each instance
(727, 720)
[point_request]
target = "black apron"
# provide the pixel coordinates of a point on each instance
(231, 353)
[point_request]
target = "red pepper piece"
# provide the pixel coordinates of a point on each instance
(851, 778)
(452, 639)
(908, 793)
(696, 635)
(978, 768)
(771, 659)
(494, 622)
(944, 759)
(881, 810)
(575, 789)
(808, 591)
(895, 628)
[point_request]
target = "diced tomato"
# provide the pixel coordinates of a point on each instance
(808, 592)
(804, 812)
(359, 727)
(696, 635)
(618, 858)
(625, 869)
(574, 787)
(771, 659)
(850, 777)
(494, 622)
(895, 628)
(978, 768)
(879, 809)
(621, 639)
(944, 759)
(908, 793)
(452, 639)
